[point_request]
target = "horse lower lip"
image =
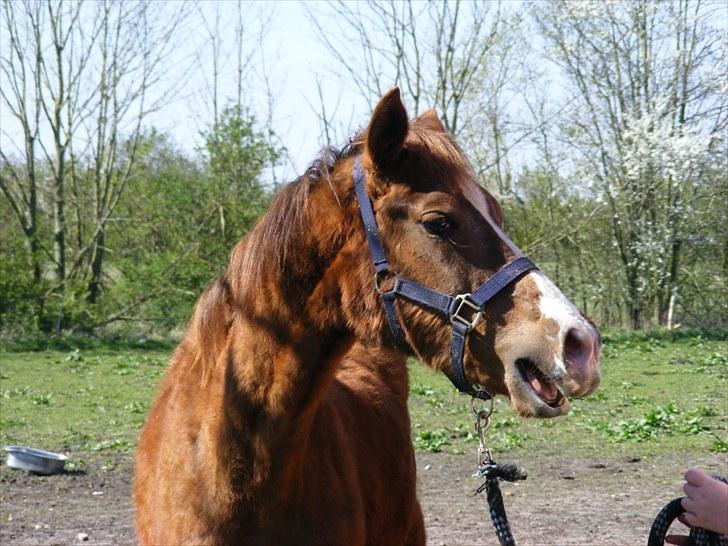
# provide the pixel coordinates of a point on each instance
(544, 388)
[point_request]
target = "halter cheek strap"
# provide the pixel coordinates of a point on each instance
(464, 310)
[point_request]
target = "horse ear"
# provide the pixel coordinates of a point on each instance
(387, 131)
(431, 120)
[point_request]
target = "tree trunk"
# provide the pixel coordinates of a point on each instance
(94, 285)
(59, 231)
(634, 301)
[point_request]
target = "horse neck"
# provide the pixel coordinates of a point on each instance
(287, 335)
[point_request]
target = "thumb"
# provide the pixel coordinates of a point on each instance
(695, 477)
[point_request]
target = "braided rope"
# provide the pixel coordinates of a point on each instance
(492, 472)
(698, 536)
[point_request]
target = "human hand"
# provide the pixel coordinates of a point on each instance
(705, 504)
(680, 540)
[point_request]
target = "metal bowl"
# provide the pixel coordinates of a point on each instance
(35, 460)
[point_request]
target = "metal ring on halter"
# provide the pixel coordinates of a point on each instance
(377, 279)
(482, 412)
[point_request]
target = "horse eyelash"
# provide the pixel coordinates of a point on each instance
(453, 243)
(447, 238)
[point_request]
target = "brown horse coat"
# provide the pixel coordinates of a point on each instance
(282, 418)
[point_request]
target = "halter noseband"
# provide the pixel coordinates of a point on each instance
(464, 310)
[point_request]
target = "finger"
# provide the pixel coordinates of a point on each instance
(681, 519)
(690, 490)
(680, 540)
(695, 476)
(691, 519)
(689, 505)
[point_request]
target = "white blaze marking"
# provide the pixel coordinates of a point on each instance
(552, 302)
(557, 307)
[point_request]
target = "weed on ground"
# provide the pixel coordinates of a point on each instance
(658, 395)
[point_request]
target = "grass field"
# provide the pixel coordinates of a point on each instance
(658, 396)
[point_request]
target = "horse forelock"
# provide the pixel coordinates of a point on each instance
(435, 155)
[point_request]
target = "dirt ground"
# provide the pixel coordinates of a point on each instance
(563, 502)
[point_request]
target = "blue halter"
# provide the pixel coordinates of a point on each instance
(464, 310)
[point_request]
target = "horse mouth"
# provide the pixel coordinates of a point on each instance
(542, 389)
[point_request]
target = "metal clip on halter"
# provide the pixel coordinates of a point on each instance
(482, 422)
(378, 277)
(493, 472)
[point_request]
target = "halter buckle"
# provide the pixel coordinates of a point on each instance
(463, 303)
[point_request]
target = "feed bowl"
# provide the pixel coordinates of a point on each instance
(35, 460)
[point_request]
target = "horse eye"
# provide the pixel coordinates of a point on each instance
(439, 225)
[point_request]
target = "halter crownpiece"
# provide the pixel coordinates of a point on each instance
(463, 310)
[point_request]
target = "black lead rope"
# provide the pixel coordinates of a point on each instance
(698, 535)
(492, 472)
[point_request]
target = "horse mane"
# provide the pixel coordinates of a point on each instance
(267, 249)
(208, 327)
(262, 254)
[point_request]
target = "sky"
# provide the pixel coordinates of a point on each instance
(290, 55)
(293, 57)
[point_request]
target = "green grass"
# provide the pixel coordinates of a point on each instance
(658, 396)
(84, 403)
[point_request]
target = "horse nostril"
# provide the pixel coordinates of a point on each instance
(578, 348)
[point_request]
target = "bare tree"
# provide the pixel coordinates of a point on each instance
(326, 118)
(20, 70)
(79, 79)
(222, 52)
(132, 47)
(432, 50)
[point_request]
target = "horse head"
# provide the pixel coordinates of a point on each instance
(439, 229)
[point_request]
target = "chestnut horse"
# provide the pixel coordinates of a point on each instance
(282, 418)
